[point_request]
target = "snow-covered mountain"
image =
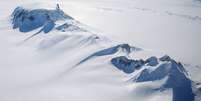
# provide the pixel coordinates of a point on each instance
(48, 55)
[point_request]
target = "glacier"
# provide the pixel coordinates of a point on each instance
(68, 60)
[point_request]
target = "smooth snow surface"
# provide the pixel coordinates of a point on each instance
(70, 60)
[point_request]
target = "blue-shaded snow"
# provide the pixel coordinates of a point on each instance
(48, 26)
(158, 74)
(180, 83)
(177, 76)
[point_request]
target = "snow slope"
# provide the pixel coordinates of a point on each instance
(75, 65)
(176, 23)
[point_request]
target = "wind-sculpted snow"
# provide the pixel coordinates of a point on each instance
(127, 49)
(56, 55)
(177, 77)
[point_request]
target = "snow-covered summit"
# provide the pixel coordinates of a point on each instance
(177, 79)
(28, 20)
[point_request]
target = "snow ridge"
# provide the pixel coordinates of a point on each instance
(152, 69)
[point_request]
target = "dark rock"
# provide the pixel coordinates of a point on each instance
(152, 61)
(139, 63)
(29, 20)
(123, 64)
(127, 65)
(165, 58)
